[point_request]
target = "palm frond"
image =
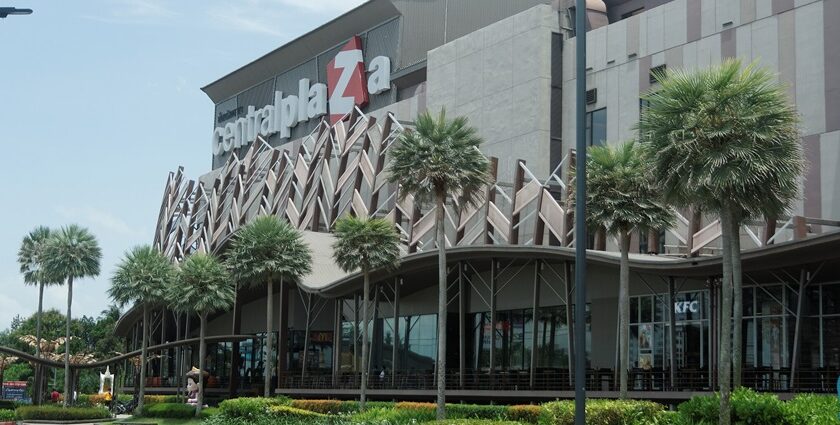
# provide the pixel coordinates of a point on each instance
(365, 244)
(30, 257)
(440, 156)
(72, 252)
(268, 248)
(143, 276)
(202, 286)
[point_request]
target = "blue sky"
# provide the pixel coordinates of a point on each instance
(99, 100)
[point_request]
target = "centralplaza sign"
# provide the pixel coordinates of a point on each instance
(346, 87)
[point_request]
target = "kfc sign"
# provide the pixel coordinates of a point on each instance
(682, 307)
(348, 85)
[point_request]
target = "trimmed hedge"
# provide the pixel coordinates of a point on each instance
(169, 410)
(604, 412)
(472, 422)
(249, 407)
(283, 411)
(379, 415)
(7, 415)
(331, 407)
(526, 413)
(748, 407)
(56, 413)
(476, 411)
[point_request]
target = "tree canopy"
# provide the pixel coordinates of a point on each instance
(365, 244)
(268, 248)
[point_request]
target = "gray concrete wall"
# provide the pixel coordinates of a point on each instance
(499, 77)
(792, 38)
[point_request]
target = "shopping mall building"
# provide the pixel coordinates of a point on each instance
(303, 133)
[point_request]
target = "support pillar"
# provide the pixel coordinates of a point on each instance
(462, 327)
(797, 333)
(236, 329)
(336, 352)
(714, 334)
(567, 271)
(535, 307)
(306, 327)
(492, 316)
(355, 333)
(282, 332)
(672, 332)
(395, 346)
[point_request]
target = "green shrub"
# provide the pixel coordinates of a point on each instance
(56, 413)
(169, 410)
(332, 407)
(526, 413)
(248, 407)
(7, 415)
(386, 415)
(604, 412)
(472, 422)
(289, 412)
(476, 411)
(813, 409)
(209, 411)
(8, 404)
(748, 408)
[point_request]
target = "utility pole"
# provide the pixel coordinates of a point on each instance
(6, 11)
(580, 214)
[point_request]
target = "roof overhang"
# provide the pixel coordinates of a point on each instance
(301, 49)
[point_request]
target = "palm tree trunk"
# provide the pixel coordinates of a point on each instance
(725, 361)
(738, 304)
(365, 339)
(39, 370)
(202, 352)
(269, 315)
(144, 346)
(67, 394)
(624, 313)
(440, 214)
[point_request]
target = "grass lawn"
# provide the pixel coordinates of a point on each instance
(160, 421)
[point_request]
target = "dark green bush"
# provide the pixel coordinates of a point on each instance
(57, 413)
(604, 412)
(476, 411)
(8, 405)
(7, 415)
(813, 409)
(289, 412)
(379, 415)
(249, 407)
(169, 410)
(748, 408)
(472, 422)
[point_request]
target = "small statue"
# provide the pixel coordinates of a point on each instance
(192, 391)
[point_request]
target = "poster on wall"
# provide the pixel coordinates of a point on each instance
(645, 361)
(645, 336)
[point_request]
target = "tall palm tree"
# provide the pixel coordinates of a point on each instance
(143, 277)
(202, 286)
(621, 197)
(727, 139)
(29, 259)
(365, 244)
(70, 254)
(265, 251)
(437, 160)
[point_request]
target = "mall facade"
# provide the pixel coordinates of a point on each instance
(303, 133)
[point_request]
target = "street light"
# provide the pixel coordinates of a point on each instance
(6, 11)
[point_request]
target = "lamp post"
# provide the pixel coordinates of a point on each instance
(6, 11)
(580, 214)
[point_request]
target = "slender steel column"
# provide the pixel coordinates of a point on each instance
(797, 332)
(355, 332)
(395, 346)
(462, 327)
(492, 316)
(570, 334)
(672, 333)
(580, 213)
(336, 355)
(535, 306)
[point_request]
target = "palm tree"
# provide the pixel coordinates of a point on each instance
(142, 277)
(265, 251)
(726, 138)
(622, 197)
(72, 253)
(365, 244)
(202, 286)
(437, 160)
(29, 259)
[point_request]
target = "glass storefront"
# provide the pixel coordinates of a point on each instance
(649, 331)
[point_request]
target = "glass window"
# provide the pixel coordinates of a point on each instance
(646, 309)
(831, 299)
(768, 300)
(596, 127)
(831, 341)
